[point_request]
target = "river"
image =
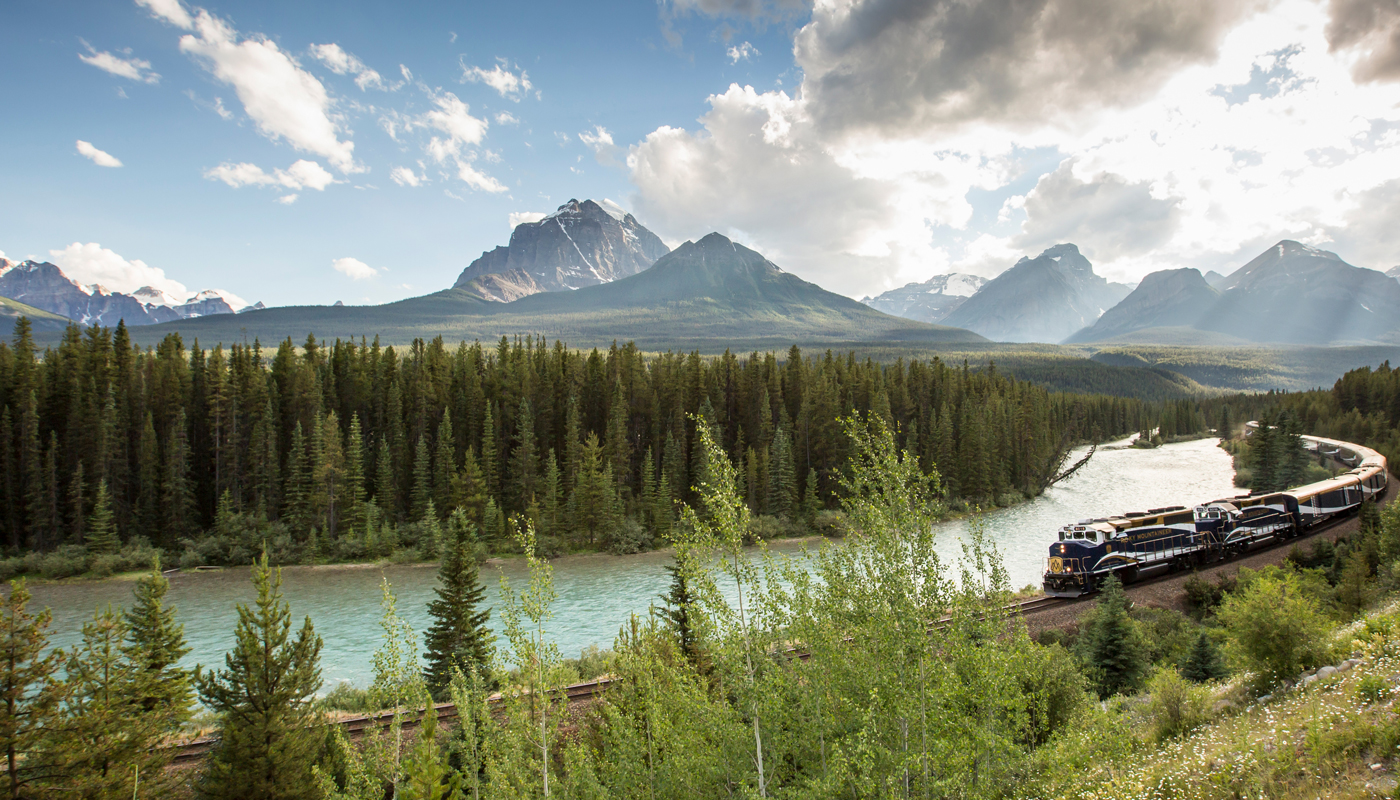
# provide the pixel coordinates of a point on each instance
(597, 593)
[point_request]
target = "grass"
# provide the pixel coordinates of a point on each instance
(1303, 742)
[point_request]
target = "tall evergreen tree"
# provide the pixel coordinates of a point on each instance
(178, 499)
(490, 465)
(524, 459)
(101, 529)
(422, 481)
(1203, 663)
(386, 485)
(263, 698)
(444, 463)
(354, 492)
(30, 693)
(679, 604)
(458, 636)
(155, 646)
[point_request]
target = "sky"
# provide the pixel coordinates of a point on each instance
(314, 152)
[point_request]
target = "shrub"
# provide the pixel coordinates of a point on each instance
(626, 537)
(1177, 705)
(1243, 477)
(830, 523)
(1204, 596)
(1372, 689)
(1276, 630)
(1054, 689)
(345, 697)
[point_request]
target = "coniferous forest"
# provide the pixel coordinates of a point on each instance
(349, 451)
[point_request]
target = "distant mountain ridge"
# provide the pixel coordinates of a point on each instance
(45, 286)
(1169, 298)
(1290, 294)
(581, 244)
(931, 300)
(1043, 299)
(704, 292)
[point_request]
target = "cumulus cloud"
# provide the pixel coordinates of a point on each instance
(453, 118)
(132, 68)
(92, 263)
(343, 63)
(478, 180)
(1372, 29)
(99, 157)
(354, 268)
(518, 217)
(506, 118)
(1113, 217)
(404, 176)
(506, 83)
(285, 101)
(171, 11)
(1169, 134)
(741, 52)
(912, 66)
(302, 174)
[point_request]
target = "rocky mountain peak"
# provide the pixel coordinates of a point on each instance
(44, 285)
(583, 243)
(931, 300)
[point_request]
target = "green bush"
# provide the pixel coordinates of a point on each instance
(1177, 705)
(1276, 628)
(1372, 689)
(627, 537)
(1243, 477)
(1054, 688)
(345, 697)
(830, 523)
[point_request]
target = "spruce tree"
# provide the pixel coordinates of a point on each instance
(1203, 662)
(101, 531)
(524, 459)
(1111, 646)
(679, 602)
(422, 481)
(267, 742)
(107, 738)
(30, 694)
(77, 505)
(444, 463)
(178, 500)
(811, 502)
(386, 485)
(469, 488)
(458, 636)
(156, 643)
(490, 474)
(354, 491)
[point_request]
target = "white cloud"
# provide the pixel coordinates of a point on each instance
(452, 117)
(517, 217)
(132, 68)
(1227, 128)
(478, 180)
(98, 157)
(742, 52)
(172, 11)
(404, 176)
(506, 118)
(285, 101)
(600, 141)
(287, 199)
(354, 268)
(506, 83)
(302, 174)
(92, 263)
(343, 63)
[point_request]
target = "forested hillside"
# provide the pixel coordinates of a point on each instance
(347, 450)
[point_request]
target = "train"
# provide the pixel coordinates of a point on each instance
(1143, 544)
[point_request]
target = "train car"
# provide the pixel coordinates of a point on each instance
(1140, 544)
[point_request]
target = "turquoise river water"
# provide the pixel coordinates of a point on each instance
(598, 593)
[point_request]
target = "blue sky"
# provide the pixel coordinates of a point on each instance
(312, 152)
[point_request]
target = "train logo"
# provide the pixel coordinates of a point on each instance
(1140, 544)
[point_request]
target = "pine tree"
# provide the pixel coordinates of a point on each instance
(444, 463)
(458, 636)
(469, 488)
(386, 486)
(811, 502)
(148, 516)
(782, 490)
(354, 480)
(679, 602)
(155, 646)
(263, 698)
(107, 739)
(30, 694)
(101, 531)
(422, 481)
(77, 505)
(524, 459)
(550, 522)
(178, 500)
(298, 513)
(1111, 646)
(489, 465)
(1203, 662)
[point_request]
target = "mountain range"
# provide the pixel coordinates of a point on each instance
(44, 286)
(705, 293)
(1041, 299)
(580, 244)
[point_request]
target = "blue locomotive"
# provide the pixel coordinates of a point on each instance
(1141, 544)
